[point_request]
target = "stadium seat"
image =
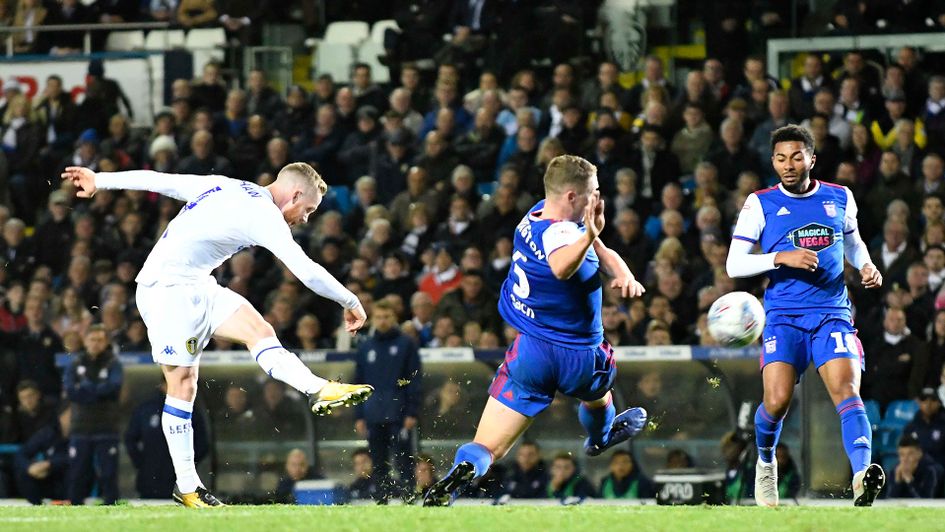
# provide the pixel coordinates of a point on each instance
(349, 32)
(123, 41)
(206, 44)
(334, 59)
(164, 39)
(872, 412)
(378, 29)
(900, 413)
(338, 198)
(367, 53)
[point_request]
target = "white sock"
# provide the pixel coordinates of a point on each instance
(180, 442)
(285, 366)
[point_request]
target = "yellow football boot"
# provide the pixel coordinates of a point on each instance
(198, 499)
(338, 394)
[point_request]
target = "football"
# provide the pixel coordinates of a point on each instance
(736, 319)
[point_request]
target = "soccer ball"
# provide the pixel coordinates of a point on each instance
(736, 319)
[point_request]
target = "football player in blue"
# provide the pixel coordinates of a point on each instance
(805, 229)
(552, 297)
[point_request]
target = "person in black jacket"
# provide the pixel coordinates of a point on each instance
(296, 468)
(93, 383)
(390, 362)
(35, 348)
(928, 426)
(147, 447)
(42, 462)
(31, 413)
(364, 487)
(527, 478)
(916, 475)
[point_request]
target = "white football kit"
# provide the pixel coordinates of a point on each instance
(180, 302)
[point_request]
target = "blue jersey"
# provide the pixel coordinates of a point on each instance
(535, 303)
(817, 220)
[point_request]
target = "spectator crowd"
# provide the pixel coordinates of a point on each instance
(429, 177)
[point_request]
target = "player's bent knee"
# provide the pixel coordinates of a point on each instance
(777, 404)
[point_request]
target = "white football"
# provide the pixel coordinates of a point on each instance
(736, 319)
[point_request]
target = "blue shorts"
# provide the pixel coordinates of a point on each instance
(534, 370)
(799, 339)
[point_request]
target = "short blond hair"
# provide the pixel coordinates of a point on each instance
(304, 173)
(567, 171)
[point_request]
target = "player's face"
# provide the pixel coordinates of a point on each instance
(301, 207)
(582, 199)
(793, 162)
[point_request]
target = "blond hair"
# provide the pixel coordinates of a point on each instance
(568, 171)
(304, 174)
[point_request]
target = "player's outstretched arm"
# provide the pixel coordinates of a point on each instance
(178, 186)
(272, 233)
(613, 265)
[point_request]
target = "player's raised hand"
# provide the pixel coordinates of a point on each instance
(802, 259)
(594, 216)
(871, 276)
(628, 285)
(354, 319)
(82, 178)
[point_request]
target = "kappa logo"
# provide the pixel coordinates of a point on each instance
(191, 345)
(168, 350)
(783, 211)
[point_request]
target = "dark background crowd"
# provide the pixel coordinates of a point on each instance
(429, 175)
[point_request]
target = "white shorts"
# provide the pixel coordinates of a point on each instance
(182, 318)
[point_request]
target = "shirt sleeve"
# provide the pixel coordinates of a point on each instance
(271, 232)
(849, 219)
(560, 234)
(743, 263)
(751, 221)
(182, 187)
(854, 248)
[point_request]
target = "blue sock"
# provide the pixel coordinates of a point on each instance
(767, 433)
(597, 422)
(857, 434)
(477, 455)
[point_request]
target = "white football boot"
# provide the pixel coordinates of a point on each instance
(766, 483)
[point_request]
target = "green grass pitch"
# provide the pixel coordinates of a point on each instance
(470, 518)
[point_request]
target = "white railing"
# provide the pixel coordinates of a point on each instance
(777, 47)
(88, 29)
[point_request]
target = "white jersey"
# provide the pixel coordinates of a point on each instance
(221, 217)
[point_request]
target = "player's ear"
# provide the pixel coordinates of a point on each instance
(813, 159)
(296, 196)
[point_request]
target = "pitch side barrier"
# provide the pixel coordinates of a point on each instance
(671, 353)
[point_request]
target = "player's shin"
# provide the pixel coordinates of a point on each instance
(597, 421)
(477, 455)
(176, 422)
(767, 433)
(285, 366)
(856, 432)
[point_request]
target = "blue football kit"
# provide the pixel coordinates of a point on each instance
(808, 317)
(560, 346)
